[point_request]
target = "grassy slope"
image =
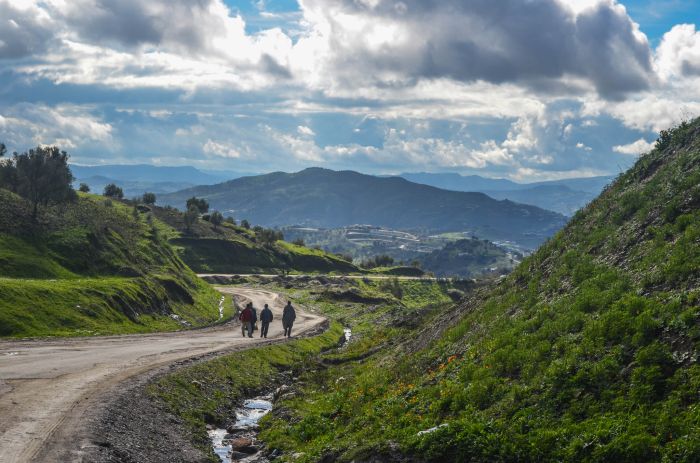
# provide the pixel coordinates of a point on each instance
(587, 352)
(92, 268)
(233, 249)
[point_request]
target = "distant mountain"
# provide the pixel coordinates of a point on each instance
(558, 198)
(326, 198)
(132, 188)
(140, 178)
(148, 173)
(564, 196)
(457, 182)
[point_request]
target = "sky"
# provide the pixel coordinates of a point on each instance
(522, 89)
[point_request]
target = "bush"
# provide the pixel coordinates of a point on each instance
(84, 188)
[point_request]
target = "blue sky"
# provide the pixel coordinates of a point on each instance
(528, 90)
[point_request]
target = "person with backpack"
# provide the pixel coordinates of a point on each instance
(288, 317)
(265, 319)
(245, 317)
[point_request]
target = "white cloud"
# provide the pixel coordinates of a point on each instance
(65, 126)
(304, 130)
(640, 146)
(220, 149)
(678, 54)
(582, 146)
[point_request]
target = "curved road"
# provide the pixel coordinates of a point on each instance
(47, 388)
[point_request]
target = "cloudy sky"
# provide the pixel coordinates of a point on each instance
(524, 89)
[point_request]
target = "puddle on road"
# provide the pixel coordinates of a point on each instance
(246, 425)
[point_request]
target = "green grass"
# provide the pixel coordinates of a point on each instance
(98, 306)
(93, 267)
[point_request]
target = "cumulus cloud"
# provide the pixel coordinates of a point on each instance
(508, 41)
(25, 29)
(221, 149)
(66, 126)
(678, 54)
(635, 148)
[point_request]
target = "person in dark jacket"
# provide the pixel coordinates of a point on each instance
(245, 317)
(288, 317)
(254, 319)
(265, 319)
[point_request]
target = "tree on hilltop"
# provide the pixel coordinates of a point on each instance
(191, 217)
(216, 219)
(113, 191)
(201, 204)
(149, 198)
(42, 176)
(84, 188)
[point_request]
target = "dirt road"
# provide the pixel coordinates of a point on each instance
(47, 388)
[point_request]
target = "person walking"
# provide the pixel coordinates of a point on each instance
(245, 317)
(288, 317)
(265, 319)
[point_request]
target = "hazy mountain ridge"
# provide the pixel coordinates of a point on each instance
(565, 196)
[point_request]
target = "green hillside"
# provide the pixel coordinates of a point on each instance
(329, 199)
(588, 351)
(93, 266)
(230, 248)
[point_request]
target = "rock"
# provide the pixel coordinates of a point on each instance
(210, 427)
(250, 450)
(280, 390)
(238, 455)
(240, 442)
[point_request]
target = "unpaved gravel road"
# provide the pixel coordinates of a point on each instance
(48, 388)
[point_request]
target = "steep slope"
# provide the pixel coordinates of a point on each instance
(326, 198)
(233, 249)
(588, 351)
(93, 266)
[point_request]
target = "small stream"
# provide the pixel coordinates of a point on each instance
(239, 442)
(243, 435)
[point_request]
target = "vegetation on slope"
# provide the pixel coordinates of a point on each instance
(587, 352)
(93, 266)
(229, 248)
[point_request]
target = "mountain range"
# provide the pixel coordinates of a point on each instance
(565, 196)
(137, 179)
(325, 198)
